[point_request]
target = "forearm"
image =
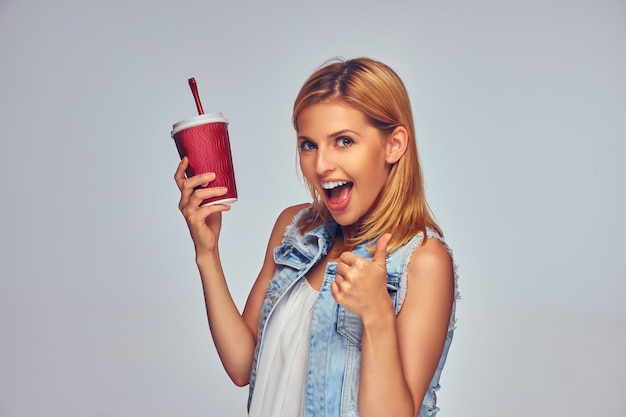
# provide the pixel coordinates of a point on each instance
(383, 390)
(234, 341)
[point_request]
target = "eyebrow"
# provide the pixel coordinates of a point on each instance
(332, 135)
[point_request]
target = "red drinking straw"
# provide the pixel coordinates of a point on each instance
(194, 90)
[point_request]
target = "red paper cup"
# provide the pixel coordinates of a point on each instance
(204, 140)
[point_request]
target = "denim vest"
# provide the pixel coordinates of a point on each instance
(334, 361)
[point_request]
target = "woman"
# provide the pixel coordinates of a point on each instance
(352, 312)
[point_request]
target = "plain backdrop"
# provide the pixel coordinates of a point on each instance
(520, 110)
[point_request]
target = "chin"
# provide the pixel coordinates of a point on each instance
(343, 219)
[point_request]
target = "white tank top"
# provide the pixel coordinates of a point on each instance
(280, 378)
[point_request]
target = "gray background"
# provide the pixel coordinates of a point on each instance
(521, 117)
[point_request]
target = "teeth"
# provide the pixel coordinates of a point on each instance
(332, 184)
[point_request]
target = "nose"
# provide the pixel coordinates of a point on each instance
(324, 162)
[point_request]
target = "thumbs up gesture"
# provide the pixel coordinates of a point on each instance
(361, 285)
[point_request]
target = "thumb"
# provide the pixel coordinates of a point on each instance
(380, 255)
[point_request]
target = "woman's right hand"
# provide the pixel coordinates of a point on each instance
(204, 223)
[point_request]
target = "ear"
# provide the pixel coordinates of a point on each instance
(396, 144)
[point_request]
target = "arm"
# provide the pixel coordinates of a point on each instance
(399, 354)
(422, 324)
(234, 334)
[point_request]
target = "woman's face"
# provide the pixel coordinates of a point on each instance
(343, 157)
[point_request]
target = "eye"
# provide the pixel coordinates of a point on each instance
(307, 145)
(344, 141)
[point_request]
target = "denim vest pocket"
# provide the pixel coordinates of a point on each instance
(349, 326)
(292, 256)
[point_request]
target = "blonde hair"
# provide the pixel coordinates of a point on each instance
(377, 91)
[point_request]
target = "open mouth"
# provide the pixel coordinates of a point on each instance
(337, 191)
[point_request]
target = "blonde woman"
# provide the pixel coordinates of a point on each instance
(353, 310)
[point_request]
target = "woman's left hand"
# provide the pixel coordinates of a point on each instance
(361, 285)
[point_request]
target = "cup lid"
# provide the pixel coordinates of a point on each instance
(198, 120)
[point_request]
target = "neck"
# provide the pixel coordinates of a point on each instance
(338, 246)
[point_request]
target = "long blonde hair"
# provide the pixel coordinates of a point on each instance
(378, 92)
